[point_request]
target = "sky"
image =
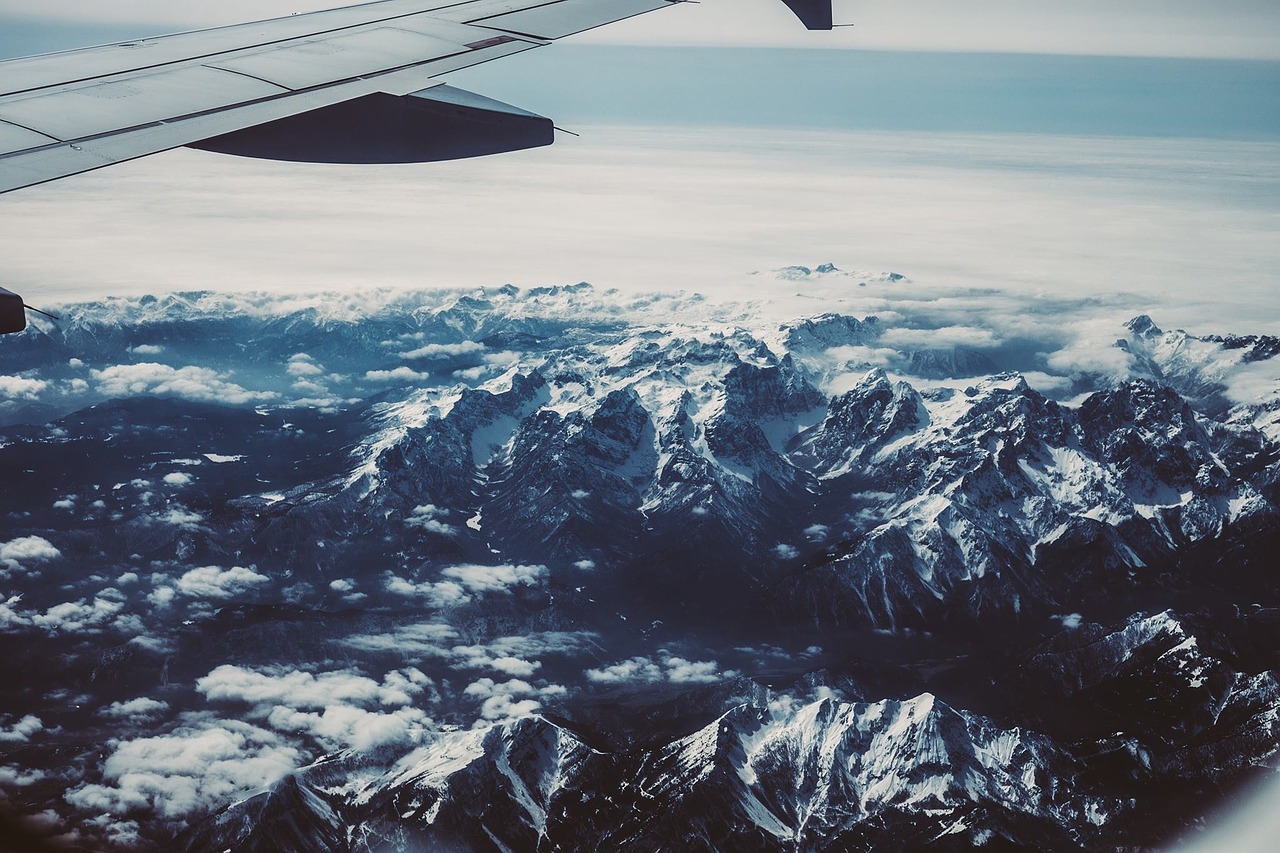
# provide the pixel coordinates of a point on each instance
(1183, 28)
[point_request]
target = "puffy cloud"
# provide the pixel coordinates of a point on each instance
(147, 349)
(13, 617)
(17, 554)
(18, 388)
(192, 383)
(481, 657)
(482, 579)
(12, 777)
(399, 374)
(681, 671)
(785, 551)
(302, 365)
(509, 700)
(445, 350)
(1070, 621)
(215, 582)
(178, 478)
(136, 711)
(343, 726)
(637, 669)
(436, 594)
(517, 656)
(304, 690)
(1089, 347)
(585, 565)
(426, 639)
(162, 596)
(183, 518)
(337, 709)
(20, 731)
(427, 517)
(191, 770)
(343, 585)
(816, 532)
(78, 616)
(676, 670)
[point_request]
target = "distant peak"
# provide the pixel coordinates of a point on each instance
(1144, 327)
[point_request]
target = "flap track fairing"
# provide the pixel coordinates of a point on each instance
(440, 123)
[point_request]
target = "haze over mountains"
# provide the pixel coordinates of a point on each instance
(510, 568)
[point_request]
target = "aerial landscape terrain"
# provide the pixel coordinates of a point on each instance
(895, 466)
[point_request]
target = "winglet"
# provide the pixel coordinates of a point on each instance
(814, 14)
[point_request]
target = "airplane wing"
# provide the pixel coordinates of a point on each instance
(354, 85)
(351, 85)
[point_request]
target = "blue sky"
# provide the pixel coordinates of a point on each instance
(1185, 28)
(885, 90)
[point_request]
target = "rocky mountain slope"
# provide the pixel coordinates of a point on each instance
(544, 569)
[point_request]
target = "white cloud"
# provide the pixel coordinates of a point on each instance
(303, 365)
(445, 350)
(81, 616)
(337, 709)
(191, 770)
(437, 594)
(192, 383)
(482, 579)
(1070, 621)
(16, 554)
(584, 565)
(399, 374)
(427, 517)
(637, 669)
(136, 711)
(816, 532)
(12, 777)
(162, 596)
(681, 671)
(343, 585)
(422, 638)
(304, 690)
(215, 582)
(18, 388)
(146, 349)
(178, 516)
(509, 700)
(481, 657)
(676, 670)
(178, 478)
(785, 551)
(345, 727)
(20, 731)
